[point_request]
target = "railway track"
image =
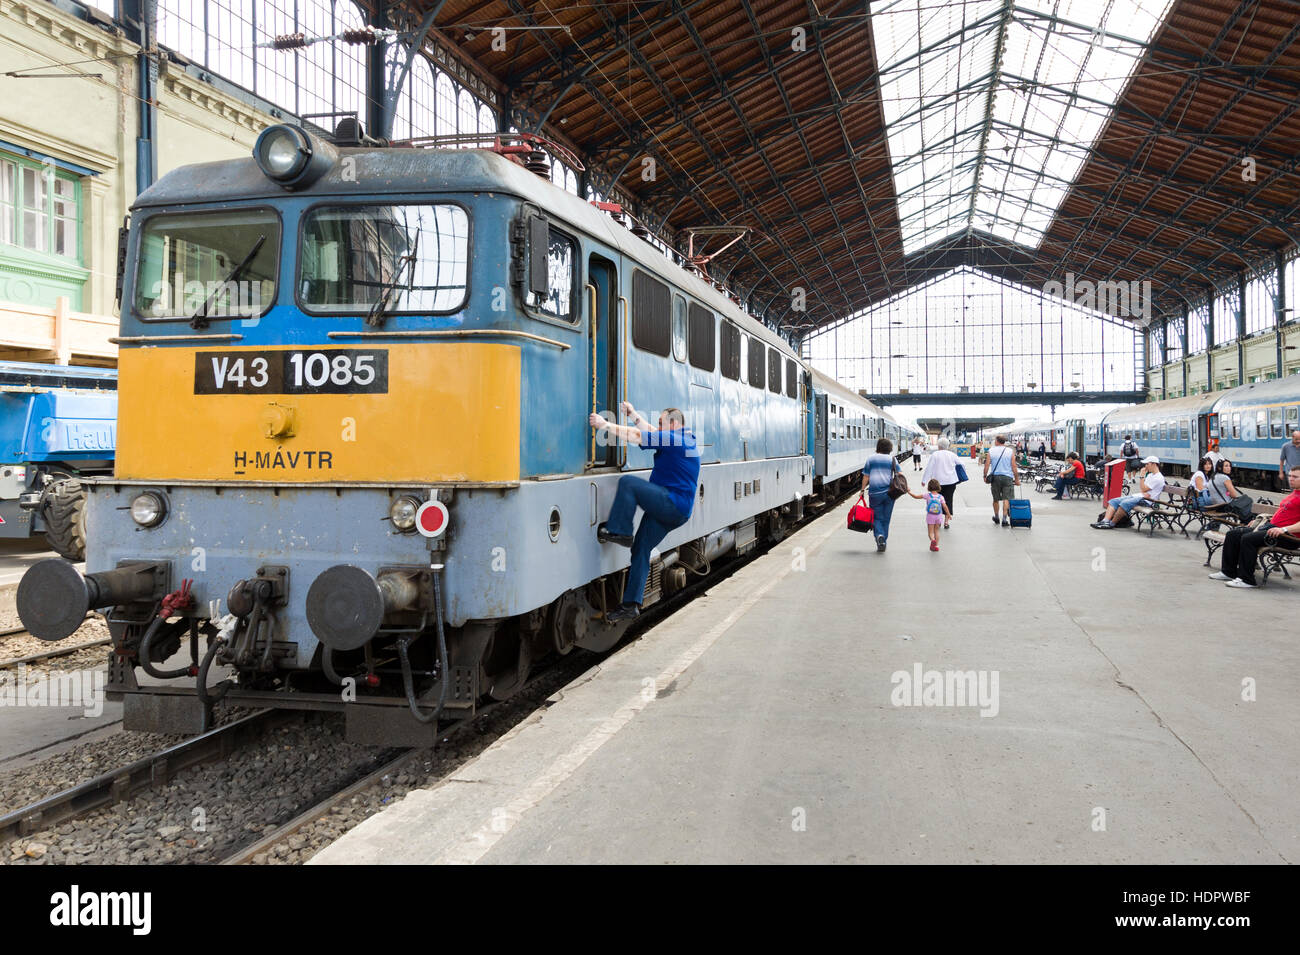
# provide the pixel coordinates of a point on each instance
(52, 651)
(149, 772)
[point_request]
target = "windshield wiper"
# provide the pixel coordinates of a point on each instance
(379, 310)
(200, 317)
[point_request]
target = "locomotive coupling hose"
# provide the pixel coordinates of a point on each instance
(146, 663)
(53, 599)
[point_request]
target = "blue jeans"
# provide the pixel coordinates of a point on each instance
(882, 506)
(661, 515)
(1063, 483)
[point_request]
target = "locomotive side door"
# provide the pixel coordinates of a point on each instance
(603, 354)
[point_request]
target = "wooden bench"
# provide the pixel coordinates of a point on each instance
(1169, 513)
(1214, 538)
(1274, 558)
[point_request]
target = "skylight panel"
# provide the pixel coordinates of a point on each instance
(1063, 66)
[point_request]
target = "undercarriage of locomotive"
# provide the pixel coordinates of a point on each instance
(383, 654)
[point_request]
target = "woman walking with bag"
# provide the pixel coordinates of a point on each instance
(878, 476)
(944, 467)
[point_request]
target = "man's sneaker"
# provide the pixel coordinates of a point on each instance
(1221, 576)
(623, 612)
(605, 537)
(880, 543)
(995, 519)
(1103, 525)
(1242, 584)
(1006, 522)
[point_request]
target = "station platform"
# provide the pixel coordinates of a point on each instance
(764, 722)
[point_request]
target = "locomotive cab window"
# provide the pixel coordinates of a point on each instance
(409, 258)
(561, 281)
(791, 378)
(224, 260)
(774, 371)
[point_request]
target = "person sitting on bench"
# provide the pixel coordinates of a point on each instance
(1070, 475)
(1152, 484)
(1241, 545)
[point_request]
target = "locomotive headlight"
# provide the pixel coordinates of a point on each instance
(148, 509)
(291, 156)
(402, 513)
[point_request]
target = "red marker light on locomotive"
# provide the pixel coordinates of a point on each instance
(431, 519)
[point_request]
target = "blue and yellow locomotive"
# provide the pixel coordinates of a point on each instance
(353, 465)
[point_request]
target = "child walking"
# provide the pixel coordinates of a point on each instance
(936, 511)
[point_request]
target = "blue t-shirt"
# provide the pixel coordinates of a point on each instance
(677, 465)
(880, 471)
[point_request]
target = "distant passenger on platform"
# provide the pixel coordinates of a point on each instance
(942, 467)
(1003, 476)
(1241, 545)
(1042, 452)
(917, 447)
(1152, 485)
(877, 474)
(1130, 453)
(667, 499)
(1290, 455)
(1070, 475)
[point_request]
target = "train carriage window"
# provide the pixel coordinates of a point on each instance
(701, 337)
(413, 257)
(1261, 423)
(185, 257)
(1236, 424)
(679, 328)
(651, 314)
(730, 347)
(1185, 429)
(1292, 420)
(791, 378)
(774, 371)
(1275, 421)
(757, 364)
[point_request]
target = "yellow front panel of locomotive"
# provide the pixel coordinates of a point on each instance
(301, 415)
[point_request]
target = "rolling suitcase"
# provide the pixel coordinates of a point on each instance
(1020, 513)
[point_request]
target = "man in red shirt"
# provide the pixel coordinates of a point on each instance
(1071, 474)
(1241, 544)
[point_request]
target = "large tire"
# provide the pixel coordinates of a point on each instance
(63, 506)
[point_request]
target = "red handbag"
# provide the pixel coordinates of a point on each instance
(861, 517)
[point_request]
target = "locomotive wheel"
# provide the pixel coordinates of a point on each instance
(63, 505)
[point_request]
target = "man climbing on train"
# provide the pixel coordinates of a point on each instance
(667, 499)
